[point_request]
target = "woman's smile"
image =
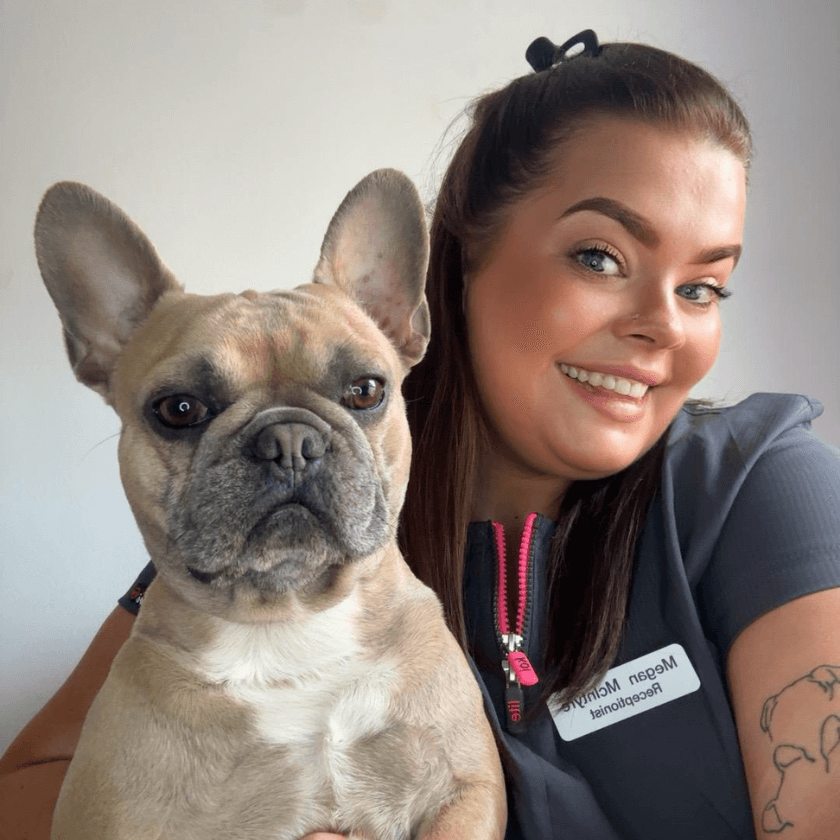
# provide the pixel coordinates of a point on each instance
(608, 381)
(618, 398)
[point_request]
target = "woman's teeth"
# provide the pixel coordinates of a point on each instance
(625, 387)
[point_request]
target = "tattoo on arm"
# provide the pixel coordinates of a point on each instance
(803, 723)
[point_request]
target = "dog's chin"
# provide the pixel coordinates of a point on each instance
(294, 572)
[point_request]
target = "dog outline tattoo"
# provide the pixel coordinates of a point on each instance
(804, 743)
(286, 673)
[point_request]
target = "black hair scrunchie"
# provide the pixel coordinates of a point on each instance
(542, 54)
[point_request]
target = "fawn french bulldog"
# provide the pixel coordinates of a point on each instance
(287, 673)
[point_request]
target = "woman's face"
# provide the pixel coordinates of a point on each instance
(597, 310)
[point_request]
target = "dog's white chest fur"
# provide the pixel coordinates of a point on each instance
(309, 684)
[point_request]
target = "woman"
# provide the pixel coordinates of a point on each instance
(650, 590)
(670, 574)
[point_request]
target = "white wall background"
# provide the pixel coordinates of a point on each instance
(230, 129)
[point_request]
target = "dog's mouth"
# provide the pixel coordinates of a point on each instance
(276, 547)
(253, 576)
(205, 577)
(271, 582)
(237, 544)
(277, 550)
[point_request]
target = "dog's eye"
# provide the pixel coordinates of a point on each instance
(365, 393)
(180, 411)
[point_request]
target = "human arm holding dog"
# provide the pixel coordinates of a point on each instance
(33, 767)
(35, 763)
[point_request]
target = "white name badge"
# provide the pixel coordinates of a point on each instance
(628, 690)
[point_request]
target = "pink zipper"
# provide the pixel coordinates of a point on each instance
(516, 665)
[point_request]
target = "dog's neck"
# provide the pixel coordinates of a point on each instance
(170, 616)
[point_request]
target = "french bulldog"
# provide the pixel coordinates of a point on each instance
(286, 673)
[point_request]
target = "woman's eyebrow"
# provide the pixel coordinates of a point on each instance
(637, 226)
(722, 253)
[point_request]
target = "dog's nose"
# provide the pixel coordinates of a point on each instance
(291, 445)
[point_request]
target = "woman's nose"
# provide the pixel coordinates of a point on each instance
(655, 318)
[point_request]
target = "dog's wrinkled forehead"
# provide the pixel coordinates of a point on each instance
(303, 335)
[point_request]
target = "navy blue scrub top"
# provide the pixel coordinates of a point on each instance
(747, 518)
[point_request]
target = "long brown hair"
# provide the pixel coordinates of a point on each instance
(509, 150)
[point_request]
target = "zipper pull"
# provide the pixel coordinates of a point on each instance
(518, 665)
(513, 704)
(518, 672)
(522, 668)
(514, 700)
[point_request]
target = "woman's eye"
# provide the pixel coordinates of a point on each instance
(180, 411)
(598, 260)
(703, 293)
(365, 393)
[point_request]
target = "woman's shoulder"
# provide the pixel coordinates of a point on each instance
(742, 465)
(758, 418)
(724, 442)
(752, 495)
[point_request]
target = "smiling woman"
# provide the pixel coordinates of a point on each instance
(582, 520)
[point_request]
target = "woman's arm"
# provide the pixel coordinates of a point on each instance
(784, 680)
(33, 767)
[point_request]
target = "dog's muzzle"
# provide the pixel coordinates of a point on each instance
(286, 496)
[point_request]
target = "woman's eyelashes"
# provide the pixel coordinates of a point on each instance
(603, 260)
(703, 294)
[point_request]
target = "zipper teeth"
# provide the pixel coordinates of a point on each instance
(524, 568)
(523, 574)
(501, 588)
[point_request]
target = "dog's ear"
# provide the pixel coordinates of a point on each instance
(102, 273)
(377, 249)
(829, 738)
(767, 714)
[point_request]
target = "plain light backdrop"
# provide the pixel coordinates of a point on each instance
(230, 129)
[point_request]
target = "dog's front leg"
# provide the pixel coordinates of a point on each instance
(478, 813)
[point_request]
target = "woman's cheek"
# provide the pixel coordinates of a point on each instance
(700, 351)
